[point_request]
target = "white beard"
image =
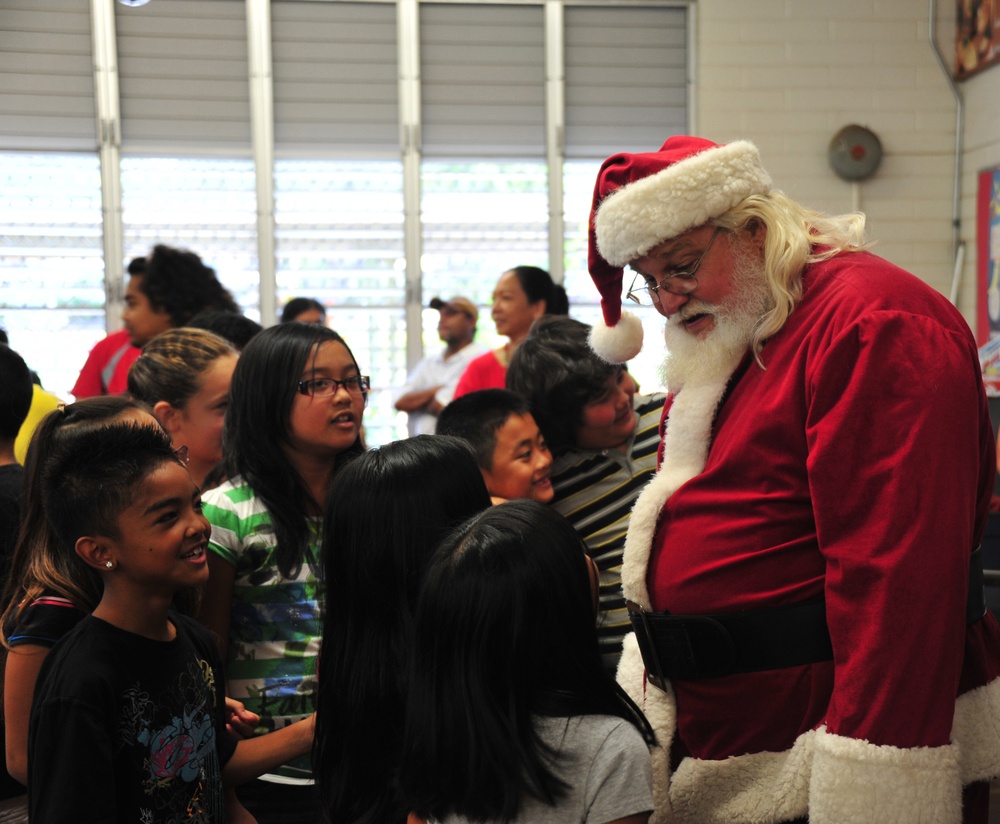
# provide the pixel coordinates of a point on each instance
(694, 360)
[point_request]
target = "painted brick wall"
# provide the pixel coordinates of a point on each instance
(788, 74)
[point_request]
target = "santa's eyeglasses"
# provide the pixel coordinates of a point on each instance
(679, 283)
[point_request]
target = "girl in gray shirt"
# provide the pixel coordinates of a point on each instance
(510, 715)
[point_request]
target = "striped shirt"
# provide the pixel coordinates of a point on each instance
(595, 491)
(277, 622)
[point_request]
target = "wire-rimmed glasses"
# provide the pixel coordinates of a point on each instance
(679, 283)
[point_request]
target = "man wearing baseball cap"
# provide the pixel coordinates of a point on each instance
(810, 636)
(431, 385)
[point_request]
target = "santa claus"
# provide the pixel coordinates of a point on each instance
(811, 640)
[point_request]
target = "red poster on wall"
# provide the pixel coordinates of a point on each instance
(988, 266)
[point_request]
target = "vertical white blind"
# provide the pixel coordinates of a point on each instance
(626, 79)
(183, 77)
(483, 80)
(335, 79)
(46, 76)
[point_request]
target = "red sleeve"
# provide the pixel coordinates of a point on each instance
(895, 489)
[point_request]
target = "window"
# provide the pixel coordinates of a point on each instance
(206, 205)
(51, 262)
(476, 106)
(339, 239)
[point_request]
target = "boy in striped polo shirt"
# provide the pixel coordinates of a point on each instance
(603, 438)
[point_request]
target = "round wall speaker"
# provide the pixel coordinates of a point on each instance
(855, 153)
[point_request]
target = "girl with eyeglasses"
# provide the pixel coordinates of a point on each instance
(510, 714)
(295, 414)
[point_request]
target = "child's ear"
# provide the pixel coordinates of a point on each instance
(96, 552)
(168, 415)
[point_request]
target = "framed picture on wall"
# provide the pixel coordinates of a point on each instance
(977, 36)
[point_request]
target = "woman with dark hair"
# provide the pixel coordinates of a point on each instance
(510, 715)
(173, 286)
(303, 310)
(387, 511)
(296, 403)
(522, 295)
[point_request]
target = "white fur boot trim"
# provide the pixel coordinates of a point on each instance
(855, 782)
(685, 450)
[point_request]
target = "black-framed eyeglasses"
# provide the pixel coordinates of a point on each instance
(679, 283)
(324, 387)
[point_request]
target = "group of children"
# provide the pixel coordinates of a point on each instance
(461, 677)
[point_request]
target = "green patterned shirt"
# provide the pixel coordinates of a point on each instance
(277, 622)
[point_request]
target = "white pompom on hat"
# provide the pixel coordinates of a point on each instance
(641, 200)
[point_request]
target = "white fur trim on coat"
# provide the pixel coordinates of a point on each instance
(661, 712)
(619, 343)
(647, 211)
(685, 450)
(830, 778)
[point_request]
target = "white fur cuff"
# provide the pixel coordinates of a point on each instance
(854, 781)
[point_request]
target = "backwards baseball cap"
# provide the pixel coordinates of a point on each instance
(456, 304)
(642, 200)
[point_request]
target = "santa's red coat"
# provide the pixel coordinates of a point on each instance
(859, 465)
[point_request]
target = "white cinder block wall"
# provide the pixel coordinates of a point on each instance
(788, 74)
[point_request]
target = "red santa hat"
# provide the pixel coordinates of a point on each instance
(641, 200)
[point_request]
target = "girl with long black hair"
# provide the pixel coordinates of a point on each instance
(511, 717)
(295, 410)
(388, 511)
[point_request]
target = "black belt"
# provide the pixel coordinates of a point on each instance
(693, 647)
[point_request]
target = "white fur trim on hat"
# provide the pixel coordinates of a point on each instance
(688, 193)
(619, 343)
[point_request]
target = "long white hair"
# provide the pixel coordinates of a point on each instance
(795, 237)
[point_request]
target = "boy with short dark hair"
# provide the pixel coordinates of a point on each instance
(604, 439)
(128, 722)
(512, 454)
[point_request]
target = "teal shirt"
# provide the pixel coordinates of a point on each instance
(277, 622)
